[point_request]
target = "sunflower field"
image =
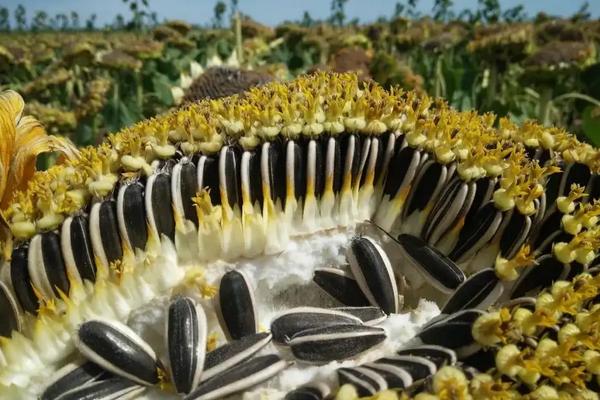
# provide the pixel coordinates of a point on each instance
(85, 84)
(405, 209)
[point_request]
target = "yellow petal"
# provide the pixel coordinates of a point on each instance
(22, 139)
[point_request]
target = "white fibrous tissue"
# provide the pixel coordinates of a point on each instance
(282, 281)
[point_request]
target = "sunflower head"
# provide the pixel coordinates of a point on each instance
(118, 60)
(502, 43)
(558, 59)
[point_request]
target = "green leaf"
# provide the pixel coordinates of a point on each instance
(162, 89)
(591, 125)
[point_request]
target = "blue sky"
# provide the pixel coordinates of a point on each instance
(274, 11)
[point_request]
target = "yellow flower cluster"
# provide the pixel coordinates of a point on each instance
(322, 104)
(552, 346)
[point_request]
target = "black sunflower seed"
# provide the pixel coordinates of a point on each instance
(480, 290)
(368, 315)
(575, 173)
(229, 179)
(208, 177)
(239, 378)
(296, 169)
(417, 367)
(341, 286)
(333, 165)
(395, 377)
(71, 377)
(235, 305)
(9, 310)
(159, 208)
(116, 348)
(273, 166)
(453, 206)
(453, 332)
(110, 389)
(295, 320)
(438, 269)
(46, 265)
(546, 271)
(104, 232)
(315, 167)
(184, 186)
(77, 250)
(309, 392)
(388, 144)
(21, 283)
(426, 187)
(251, 183)
(186, 343)
(131, 215)
(335, 342)
(374, 275)
(477, 233)
(231, 354)
(350, 149)
(366, 381)
(440, 356)
(514, 235)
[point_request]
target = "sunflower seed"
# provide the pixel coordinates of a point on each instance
(546, 271)
(453, 332)
(46, 266)
(21, 283)
(10, 319)
(341, 286)
(104, 232)
(366, 381)
(350, 150)
(368, 315)
(426, 188)
(295, 170)
(315, 166)
(395, 377)
(515, 234)
(480, 290)
(250, 177)
(333, 165)
(477, 233)
(309, 392)
(437, 269)
(233, 353)
(186, 343)
(184, 186)
(574, 173)
(239, 378)
(229, 180)
(440, 356)
(159, 208)
(295, 320)
(116, 348)
(273, 168)
(335, 343)
(208, 177)
(77, 250)
(404, 163)
(71, 377)
(131, 215)
(453, 204)
(110, 389)
(417, 367)
(373, 271)
(236, 306)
